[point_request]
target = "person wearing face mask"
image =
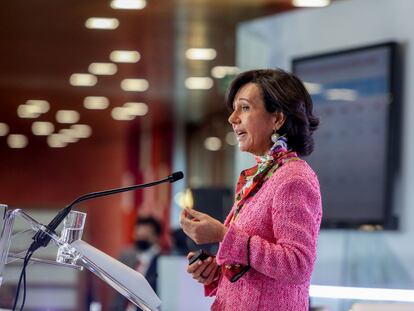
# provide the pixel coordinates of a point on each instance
(142, 257)
(268, 241)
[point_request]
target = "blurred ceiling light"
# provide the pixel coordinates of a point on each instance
(188, 199)
(70, 132)
(4, 129)
(17, 141)
(128, 4)
(121, 114)
(43, 105)
(28, 111)
(231, 139)
(184, 199)
(56, 141)
(136, 109)
(212, 143)
(220, 72)
(313, 88)
(201, 54)
(341, 94)
(310, 3)
(135, 85)
(101, 23)
(199, 83)
(81, 130)
(83, 79)
(68, 136)
(96, 102)
(103, 69)
(120, 56)
(67, 116)
(42, 128)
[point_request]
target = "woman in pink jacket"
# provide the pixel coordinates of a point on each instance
(268, 241)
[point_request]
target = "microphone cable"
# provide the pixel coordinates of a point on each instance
(22, 278)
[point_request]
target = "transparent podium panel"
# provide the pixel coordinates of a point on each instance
(122, 278)
(17, 231)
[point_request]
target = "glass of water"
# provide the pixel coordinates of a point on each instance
(72, 230)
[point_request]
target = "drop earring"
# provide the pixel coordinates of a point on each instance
(275, 136)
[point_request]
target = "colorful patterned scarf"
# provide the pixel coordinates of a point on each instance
(252, 179)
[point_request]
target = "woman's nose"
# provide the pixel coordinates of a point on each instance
(233, 119)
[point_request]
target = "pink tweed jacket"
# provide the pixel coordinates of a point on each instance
(283, 220)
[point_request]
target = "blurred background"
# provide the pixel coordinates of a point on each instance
(101, 94)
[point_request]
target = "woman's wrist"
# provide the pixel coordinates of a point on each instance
(222, 233)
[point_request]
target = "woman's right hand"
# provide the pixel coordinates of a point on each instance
(204, 271)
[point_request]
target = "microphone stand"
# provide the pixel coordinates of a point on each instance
(41, 239)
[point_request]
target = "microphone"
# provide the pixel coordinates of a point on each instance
(41, 239)
(175, 176)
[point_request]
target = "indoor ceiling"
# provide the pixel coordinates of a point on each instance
(44, 42)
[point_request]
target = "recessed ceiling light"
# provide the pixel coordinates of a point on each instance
(121, 114)
(201, 54)
(82, 130)
(120, 56)
(4, 129)
(220, 72)
(103, 69)
(28, 111)
(96, 102)
(68, 136)
(199, 83)
(184, 199)
(17, 141)
(42, 128)
(310, 3)
(83, 79)
(67, 116)
(101, 23)
(135, 85)
(136, 109)
(212, 143)
(56, 141)
(43, 105)
(128, 4)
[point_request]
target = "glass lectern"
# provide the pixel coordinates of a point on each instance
(125, 280)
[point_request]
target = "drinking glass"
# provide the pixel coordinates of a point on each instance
(72, 230)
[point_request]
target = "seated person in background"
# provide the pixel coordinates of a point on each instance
(142, 257)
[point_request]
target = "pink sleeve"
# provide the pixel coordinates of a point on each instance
(296, 213)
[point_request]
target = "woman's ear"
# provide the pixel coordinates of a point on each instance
(279, 120)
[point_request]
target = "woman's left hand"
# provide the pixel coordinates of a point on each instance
(204, 271)
(201, 228)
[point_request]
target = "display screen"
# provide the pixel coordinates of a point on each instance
(355, 95)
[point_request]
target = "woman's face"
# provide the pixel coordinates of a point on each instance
(252, 123)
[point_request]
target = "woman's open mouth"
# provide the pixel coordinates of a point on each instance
(240, 135)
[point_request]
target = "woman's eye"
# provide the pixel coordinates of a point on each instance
(245, 108)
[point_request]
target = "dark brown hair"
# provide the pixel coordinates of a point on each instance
(152, 222)
(282, 92)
